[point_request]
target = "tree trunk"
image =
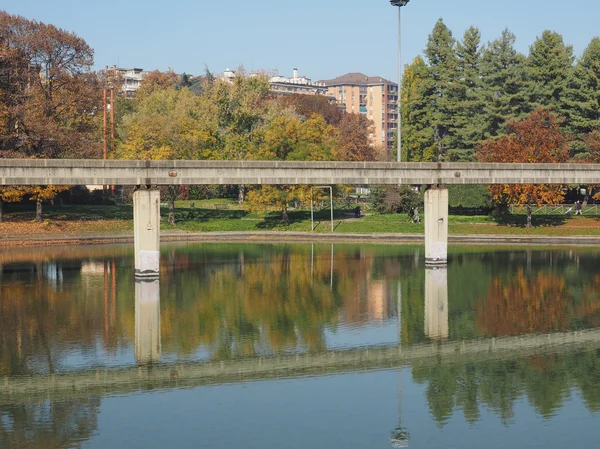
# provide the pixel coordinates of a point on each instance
(284, 216)
(39, 215)
(1, 209)
(172, 194)
(241, 194)
(588, 193)
(528, 215)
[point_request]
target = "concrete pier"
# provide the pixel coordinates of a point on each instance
(436, 303)
(146, 228)
(147, 321)
(436, 226)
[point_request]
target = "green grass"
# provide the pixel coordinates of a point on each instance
(226, 215)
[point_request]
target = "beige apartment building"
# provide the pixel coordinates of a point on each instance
(372, 96)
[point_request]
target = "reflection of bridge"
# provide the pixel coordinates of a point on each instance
(171, 375)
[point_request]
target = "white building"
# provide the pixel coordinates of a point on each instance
(131, 79)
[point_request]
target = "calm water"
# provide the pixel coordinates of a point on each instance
(296, 346)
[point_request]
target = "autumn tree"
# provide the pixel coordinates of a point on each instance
(307, 105)
(353, 140)
(535, 139)
(54, 92)
(10, 194)
(168, 124)
(157, 80)
(289, 138)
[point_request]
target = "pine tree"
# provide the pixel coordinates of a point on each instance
(550, 63)
(504, 76)
(417, 133)
(467, 98)
(583, 94)
(441, 53)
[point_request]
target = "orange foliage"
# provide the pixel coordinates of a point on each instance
(535, 139)
(524, 305)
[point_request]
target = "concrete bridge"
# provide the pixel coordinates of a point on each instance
(104, 381)
(148, 174)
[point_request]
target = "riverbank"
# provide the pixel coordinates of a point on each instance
(211, 221)
(85, 238)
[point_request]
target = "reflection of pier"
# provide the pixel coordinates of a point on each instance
(147, 321)
(169, 375)
(436, 303)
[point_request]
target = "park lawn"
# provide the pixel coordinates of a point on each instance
(222, 215)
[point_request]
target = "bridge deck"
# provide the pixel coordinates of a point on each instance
(101, 172)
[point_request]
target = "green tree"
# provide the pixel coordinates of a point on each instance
(418, 144)
(549, 64)
(583, 94)
(441, 54)
(467, 98)
(504, 77)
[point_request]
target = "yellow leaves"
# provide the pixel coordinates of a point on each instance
(169, 124)
(41, 193)
(12, 194)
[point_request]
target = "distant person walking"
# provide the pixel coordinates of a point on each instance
(416, 218)
(578, 208)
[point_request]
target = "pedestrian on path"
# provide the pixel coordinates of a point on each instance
(578, 208)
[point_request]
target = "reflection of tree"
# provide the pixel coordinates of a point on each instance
(239, 300)
(48, 424)
(41, 314)
(523, 304)
(546, 381)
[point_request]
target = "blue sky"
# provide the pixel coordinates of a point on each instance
(323, 38)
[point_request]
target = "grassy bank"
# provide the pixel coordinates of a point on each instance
(226, 215)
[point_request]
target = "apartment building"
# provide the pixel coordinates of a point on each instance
(131, 79)
(281, 85)
(372, 96)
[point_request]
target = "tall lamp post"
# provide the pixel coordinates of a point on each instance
(399, 4)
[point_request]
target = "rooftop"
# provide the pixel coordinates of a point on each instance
(357, 79)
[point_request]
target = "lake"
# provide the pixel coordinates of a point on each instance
(261, 345)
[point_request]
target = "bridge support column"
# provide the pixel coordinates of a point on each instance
(146, 228)
(436, 226)
(147, 321)
(436, 303)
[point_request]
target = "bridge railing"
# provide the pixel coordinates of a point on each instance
(590, 210)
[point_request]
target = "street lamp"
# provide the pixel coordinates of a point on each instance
(399, 4)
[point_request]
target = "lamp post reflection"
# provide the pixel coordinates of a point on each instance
(436, 303)
(147, 321)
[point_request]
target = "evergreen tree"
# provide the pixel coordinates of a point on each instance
(417, 133)
(583, 93)
(467, 98)
(504, 76)
(550, 63)
(441, 53)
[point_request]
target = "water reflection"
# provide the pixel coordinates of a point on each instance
(228, 303)
(147, 321)
(49, 424)
(436, 303)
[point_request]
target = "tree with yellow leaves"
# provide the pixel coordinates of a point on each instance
(289, 138)
(10, 194)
